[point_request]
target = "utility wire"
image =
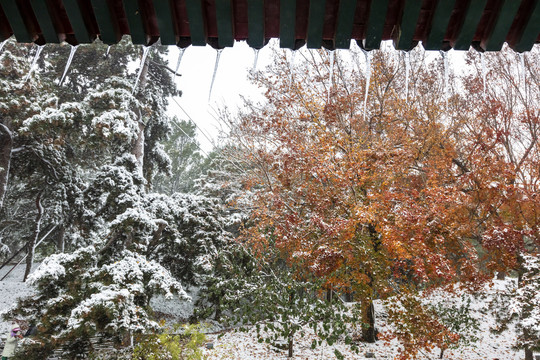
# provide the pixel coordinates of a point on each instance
(204, 152)
(189, 117)
(191, 138)
(242, 170)
(211, 141)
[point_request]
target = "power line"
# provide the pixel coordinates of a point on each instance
(242, 170)
(189, 117)
(204, 152)
(191, 138)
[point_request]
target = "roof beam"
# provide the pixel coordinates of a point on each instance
(407, 27)
(287, 23)
(531, 31)
(470, 24)
(485, 24)
(345, 22)
(105, 22)
(224, 23)
(315, 23)
(76, 20)
(136, 26)
(505, 17)
(43, 17)
(375, 25)
(165, 14)
(197, 29)
(439, 24)
(5, 29)
(256, 24)
(16, 21)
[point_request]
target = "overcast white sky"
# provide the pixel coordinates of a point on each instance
(197, 67)
(231, 81)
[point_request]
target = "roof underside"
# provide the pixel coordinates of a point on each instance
(439, 24)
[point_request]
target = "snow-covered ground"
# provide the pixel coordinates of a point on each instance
(11, 289)
(490, 346)
(240, 345)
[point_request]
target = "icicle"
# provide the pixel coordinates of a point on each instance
(522, 71)
(108, 51)
(146, 49)
(68, 64)
(218, 55)
(180, 56)
(34, 62)
(407, 60)
(331, 73)
(367, 54)
(255, 59)
(291, 65)
(445, 64)
(2, 44)
(483, 65)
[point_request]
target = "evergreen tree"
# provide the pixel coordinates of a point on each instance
(187, 162)
(87, 155)
(526, 306)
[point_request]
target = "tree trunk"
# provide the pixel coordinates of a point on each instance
(217, 316)
(138, 147)
(290, 347)
(329, 295)
(60, 242)
(528, 354)
(6, 144)
(348, 296)
(31, 245)
(369, 333)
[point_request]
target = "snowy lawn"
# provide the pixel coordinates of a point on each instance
(240, 345)
(11, 289)
(490, 346)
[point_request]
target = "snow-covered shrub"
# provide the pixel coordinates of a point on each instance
(456, 315)
(417, 326)
(79, 296)
(245, 292)
(4, 249)
(526, 305)
(518, 304)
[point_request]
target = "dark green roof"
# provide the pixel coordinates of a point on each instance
(439, 24)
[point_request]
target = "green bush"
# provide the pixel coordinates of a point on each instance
(184, 343)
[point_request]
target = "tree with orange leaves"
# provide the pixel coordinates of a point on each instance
(501, 160)
(390, 197)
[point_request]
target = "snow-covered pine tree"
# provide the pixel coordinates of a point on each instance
(223, 181)
(96, 143)
(79, 298)
(19, 99)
